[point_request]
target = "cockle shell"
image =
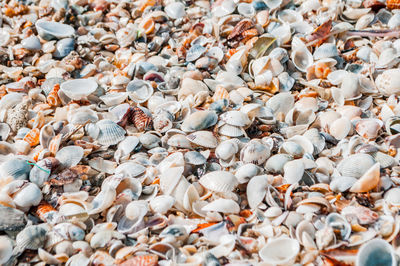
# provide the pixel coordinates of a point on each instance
(356, 165)
(219, 181)
(369, 180)
(70, 155)
(109, 132)
(388, 82)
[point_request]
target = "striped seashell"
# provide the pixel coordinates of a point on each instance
(109, 132)
(137, 117)
(141, 260)
(55, 143)
(220, 93)
(32, 137)
(52, 99)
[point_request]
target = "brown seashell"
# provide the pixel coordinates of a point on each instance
(137, 117)
(43, 209)
(393, 4)
(320, 34)
(240, 28)
(374, 4)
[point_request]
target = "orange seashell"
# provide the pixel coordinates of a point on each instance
(33, 137)
(146, 3)
(53, 99)
(43, 209)
(38, 121)
(141, 260)
(220, 93)
(202, 226)
(36, 155)
(322, 70)
(41, 107)
(147, 25)
(393, 4)
(54, 144)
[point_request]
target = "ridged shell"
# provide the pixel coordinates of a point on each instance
(6, 249)
(235, 118)
(203, 138)
(32, 237)
(109, 132)
(356, 165)
(15, 168)
(11, 219)
(219, 181)
(388, 82)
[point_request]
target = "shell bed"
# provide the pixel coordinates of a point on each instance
(199, 133)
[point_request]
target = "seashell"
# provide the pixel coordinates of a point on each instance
(109, 132)
(103, 200)
(256, 190)
(230, 131)
(31, 43)
(32, 237)
(388, 58)
(6, 249)
(46, 135)
(292, 148)
(247, 171)
(392, 196)
(199, 120)
(161, 204)
(195, 52)
(369, 180)
(50, 30)
(281, 103)
(70, 156)
(76, 89)
(28, 194)
(376, 251)
(203, 138)
(147, 259)
(11, 219)
(274, 253)
(246, 10)
(195, 158)
(340, 128)
(139, 91)
(81, 116)
(387, 82)
(368, 128)
(302, 59)
(64, 47)
(175, 10)
(350, 87)
(276, 163)
(37, 174)
(235, 118)
(112, 99)
(222, 205)
(15, 168)
(342, 183)
(325, 50)
(338, 222)
(293, 171)
(219, 181)
(254, 152)
(356, 165)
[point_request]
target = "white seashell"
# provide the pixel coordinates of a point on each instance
(130, 169)
(276, 163)
(6, 249)
(394, 21)
(280, 251)
(199, 120)
(340, 128)
(175, 10)
(203, 138)
(4, 131)
(50, 30)
(246, 172)
(350, 86)
(256, 190)
(103, 200)
(293, 171)
(222, 205)
(70, 155)
(76, 89)
(302, 59)
(161, 204)
(356, 165)
(246, 10)
(230, 131)
(136, 210)
(235, 118)
(326, 50)
(281, 103)
(139, 91)
(15, 168)
(388, 82)
(364, 21)
(255, 152)
(112, 99)
(219, 181)
(109, 132)
(376, 251)
(10, 100)
(342, 183)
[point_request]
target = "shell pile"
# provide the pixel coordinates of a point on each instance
(226, 132)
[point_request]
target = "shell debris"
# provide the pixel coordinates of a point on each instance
(226, 132)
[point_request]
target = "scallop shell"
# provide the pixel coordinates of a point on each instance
(109, 132)
(70, 156)
(32, 237)
(356, 165)
(76, 89)
(15, 168)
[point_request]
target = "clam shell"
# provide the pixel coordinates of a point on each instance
(76, 89)
(222, 205)
(161, 204)
(293, 171)
(139, 91)
(280, 251)
(11, 219)
(15, 168)
(256, 190)
(203, 138)
(32, 237)
(50, 30)
(199, 120)
(369, 180)
(235, 118)
(219, 181)
(276, 163)
(70, 156)
(255, 152)
(6, 249)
